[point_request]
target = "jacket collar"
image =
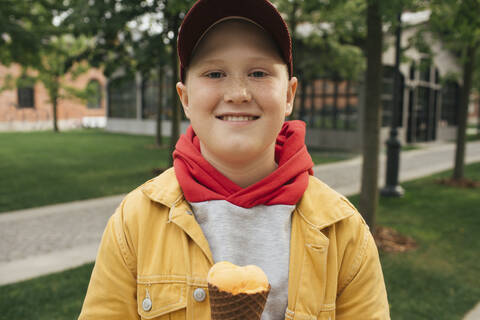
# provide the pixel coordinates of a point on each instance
(164, 189)
(321, 206)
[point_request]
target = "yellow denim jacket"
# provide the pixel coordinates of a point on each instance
(154, 249)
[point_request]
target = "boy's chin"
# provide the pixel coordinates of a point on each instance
(241, 154)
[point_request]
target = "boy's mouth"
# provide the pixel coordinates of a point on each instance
(237, 118)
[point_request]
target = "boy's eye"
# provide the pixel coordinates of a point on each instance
(258, 74)
(214, 75)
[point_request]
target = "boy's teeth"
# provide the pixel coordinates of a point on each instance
(237, 118)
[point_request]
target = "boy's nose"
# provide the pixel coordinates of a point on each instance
(237, 92)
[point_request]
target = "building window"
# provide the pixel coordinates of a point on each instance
(423, 101)
(149, 98)
(26, 97)
(122, 95)
(450, 98)
(94, 91)
(425, 68)
(388, 88)
(412, 71)
(328, 104)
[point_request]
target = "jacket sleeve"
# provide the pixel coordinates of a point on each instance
(112, 290)
(364, 294)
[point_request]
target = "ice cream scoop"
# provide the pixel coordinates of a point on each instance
(237, 293)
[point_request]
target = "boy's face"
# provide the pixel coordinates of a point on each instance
(237, 92)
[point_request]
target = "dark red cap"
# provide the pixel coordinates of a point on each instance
(205, 13)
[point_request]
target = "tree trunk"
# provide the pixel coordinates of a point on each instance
(54, 105)
(159, 107)
(176, 113)
(53, 92)
(372, 115)
(468, 68)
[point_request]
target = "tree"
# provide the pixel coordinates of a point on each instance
(24, 25)
(121, 43)
(378, 14)
(30, 38)
(316, 29)
(53, 66)
(372, 114)
(458, 24)
(56, 62)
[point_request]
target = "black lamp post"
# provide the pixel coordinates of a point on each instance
(392, 188)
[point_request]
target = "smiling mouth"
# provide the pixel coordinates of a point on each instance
(237, 118)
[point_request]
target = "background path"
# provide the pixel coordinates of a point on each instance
(345, 176)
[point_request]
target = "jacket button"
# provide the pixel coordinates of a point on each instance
(147, 304)
(199, 294)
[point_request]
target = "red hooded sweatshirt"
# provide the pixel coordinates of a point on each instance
(200, 181)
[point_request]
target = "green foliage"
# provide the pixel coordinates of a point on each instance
(417, 41)
(450, 77)
(24, 25)
(457, 23)
(391, 9)
(322, 46)
(132, 35)
(56, 62)
(334, 45)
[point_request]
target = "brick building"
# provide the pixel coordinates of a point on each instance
(28, 108)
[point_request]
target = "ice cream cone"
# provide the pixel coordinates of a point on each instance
(242, 306)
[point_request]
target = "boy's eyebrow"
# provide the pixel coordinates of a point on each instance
(255, 58)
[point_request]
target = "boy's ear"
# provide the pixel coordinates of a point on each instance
(183, 95)
(291, 90)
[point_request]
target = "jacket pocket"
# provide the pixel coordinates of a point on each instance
(162, 301)
(323, 315)
(327, 315)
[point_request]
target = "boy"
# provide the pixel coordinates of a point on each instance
(241, 190)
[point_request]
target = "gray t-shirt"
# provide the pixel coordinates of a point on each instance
(258, 235)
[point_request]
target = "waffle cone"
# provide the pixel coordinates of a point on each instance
(242, 306)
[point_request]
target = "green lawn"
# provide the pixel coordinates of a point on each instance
(40, 168)
(410, 147)
(473, 137)
(328, 156)
(52, 297)
(440, 280)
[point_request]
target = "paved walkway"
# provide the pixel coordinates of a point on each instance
(43, 240)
